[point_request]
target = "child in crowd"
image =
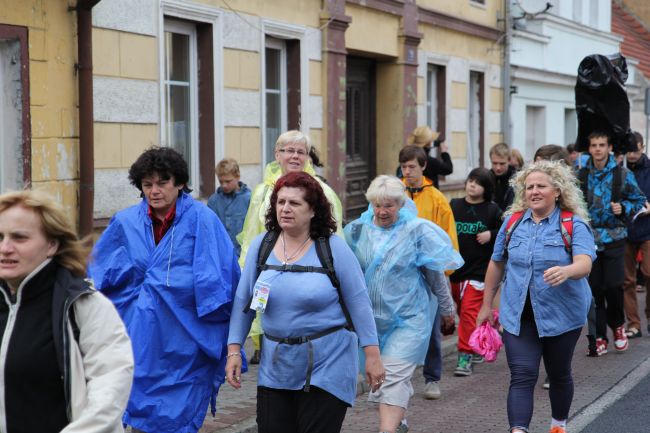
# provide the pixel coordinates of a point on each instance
(478, 220)
(230, 202)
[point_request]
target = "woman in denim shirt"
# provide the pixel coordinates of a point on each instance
(545, 294)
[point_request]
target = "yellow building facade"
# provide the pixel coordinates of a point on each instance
(215, 78)
(39, 137)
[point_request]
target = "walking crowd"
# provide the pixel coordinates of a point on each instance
(144, 330)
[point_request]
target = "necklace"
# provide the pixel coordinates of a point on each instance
(287, 259)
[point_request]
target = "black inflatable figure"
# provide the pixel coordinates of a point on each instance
(601, 101)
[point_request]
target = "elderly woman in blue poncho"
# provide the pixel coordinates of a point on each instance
(170, 269)
(403, 258)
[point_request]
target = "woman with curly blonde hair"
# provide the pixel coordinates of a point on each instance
(561, 178)
(545, 295)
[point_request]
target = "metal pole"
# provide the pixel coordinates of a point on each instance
(505, 126)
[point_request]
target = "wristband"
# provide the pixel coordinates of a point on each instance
(233, 354)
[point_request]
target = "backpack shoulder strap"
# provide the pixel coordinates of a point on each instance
(270, 238)
(618, 181)
(268, 242)
(566, 229)
(511, 225)
(583, 179)
(324, 251)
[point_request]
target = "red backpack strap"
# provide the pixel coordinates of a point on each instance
(511, 225)
(566, 229)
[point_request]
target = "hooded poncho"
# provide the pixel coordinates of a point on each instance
(392, 258)
(175, 299)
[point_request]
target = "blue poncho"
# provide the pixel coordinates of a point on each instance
(175, 299)
(392, 258)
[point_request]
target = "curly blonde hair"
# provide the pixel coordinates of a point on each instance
(562, 178)
(71, 253)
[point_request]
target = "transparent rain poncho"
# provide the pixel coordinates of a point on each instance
(393, 260)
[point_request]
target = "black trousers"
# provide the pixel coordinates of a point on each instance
(287, 411)
(606, 281)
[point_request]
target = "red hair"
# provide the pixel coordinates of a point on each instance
(323, 223)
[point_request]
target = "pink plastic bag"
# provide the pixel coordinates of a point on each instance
(485, 340)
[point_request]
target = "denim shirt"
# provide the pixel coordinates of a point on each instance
(533, 248)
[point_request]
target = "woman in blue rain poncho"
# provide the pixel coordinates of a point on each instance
(170, 269)
(404, 258)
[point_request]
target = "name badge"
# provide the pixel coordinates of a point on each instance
(260, 296)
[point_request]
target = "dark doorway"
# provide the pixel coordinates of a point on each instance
(360, 166)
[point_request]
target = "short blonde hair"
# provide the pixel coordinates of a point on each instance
(502, 150)
(293, 136)
(386, 187)
(71, 253)
(562, 179)
(227, 166)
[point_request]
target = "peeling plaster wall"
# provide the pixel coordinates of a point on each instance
(11, 168)
(53, 100)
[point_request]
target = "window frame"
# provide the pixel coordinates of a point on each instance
(20, 33)
(187, 29)
(280, 45)
(280, 30)
(199, 15)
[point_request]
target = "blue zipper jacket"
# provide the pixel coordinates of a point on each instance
(639, 230)
(231, 209)
(609, 228)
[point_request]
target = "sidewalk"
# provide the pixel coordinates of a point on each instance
(469, 404)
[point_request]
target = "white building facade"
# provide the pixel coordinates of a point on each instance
(546, 50)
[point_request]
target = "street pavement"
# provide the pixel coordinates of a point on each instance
(478, 403)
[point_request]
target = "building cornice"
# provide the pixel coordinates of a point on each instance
(434, 18)
(579, 28)
(542, 76)
(439, 19)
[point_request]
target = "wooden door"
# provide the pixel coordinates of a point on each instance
(360, 166)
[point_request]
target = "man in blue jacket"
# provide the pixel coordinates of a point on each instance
(638, 240)
(613, 198)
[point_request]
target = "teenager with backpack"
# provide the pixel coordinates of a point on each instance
(478, 219)
(545, 296)
(315, 315)
(613, 198)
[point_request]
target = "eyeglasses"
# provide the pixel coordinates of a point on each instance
(292, 151)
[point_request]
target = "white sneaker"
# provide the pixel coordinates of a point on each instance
(432, 391)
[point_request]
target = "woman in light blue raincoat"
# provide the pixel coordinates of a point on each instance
(169, 267)
(404, 258)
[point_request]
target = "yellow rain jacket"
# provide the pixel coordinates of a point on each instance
(433, 206)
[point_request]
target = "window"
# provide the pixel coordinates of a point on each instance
(188, 94)
(570, 125)
(476, 130)
(282, 91)
(180, 92)
(535, 128)
(275, 91)
(15, 145)
(436, 98)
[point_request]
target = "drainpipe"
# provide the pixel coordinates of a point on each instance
(505, 126)
(86, 130)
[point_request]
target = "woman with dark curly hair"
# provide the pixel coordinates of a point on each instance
(170, 269)
(306, 315)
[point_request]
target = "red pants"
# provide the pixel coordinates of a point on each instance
(468, 306)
